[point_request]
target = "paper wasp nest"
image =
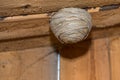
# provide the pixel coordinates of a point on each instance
(71, 25)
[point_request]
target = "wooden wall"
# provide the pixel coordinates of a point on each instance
(28, 49)
(92, 60)
(29, 64)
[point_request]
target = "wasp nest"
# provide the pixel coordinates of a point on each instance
(71, 25)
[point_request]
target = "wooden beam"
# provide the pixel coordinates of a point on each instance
(14, 7)
(106, 18)
(24, 32)
(27, 43)
(38, 25)
(42, 41)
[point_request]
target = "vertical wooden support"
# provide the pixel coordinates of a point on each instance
(101, 59)
(88, 61)
(75, 62)
(115, 57)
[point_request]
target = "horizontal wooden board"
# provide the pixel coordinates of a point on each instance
(17, 7)
(29, 64)
(43, 41)
(106, 18)
(38, 25)
(27, 43)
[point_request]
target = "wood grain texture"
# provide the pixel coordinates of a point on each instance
(24, 28)
(101, 59)
(45, 40)
(106, 18)
(38, 25)
(14, 7)
(27, 43)
(115, 57)
(29, 64)
(75, 62)
(87, 60)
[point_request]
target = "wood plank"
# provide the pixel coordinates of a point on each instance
(86, 61)
(106, 18)
(24, 28)
(45, 40)
(101, 59)
(15, 7)
(38, 25)
(75, 62)
(104, 32)
(28, 43)
(29, 64)
(115, 57)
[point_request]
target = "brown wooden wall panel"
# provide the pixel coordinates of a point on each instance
(38, 25)
(115, 57)
(75, 65)
(101, 59)
(17, 7)
(88, 60)
(29, 64)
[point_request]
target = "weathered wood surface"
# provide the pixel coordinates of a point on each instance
(88, 60)
(29, 64)
(38, 25)
(96, 59)
(100, 59)
(27, 43)
(106, 18)
(115, 57)
(17, 7)
(45, 40)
